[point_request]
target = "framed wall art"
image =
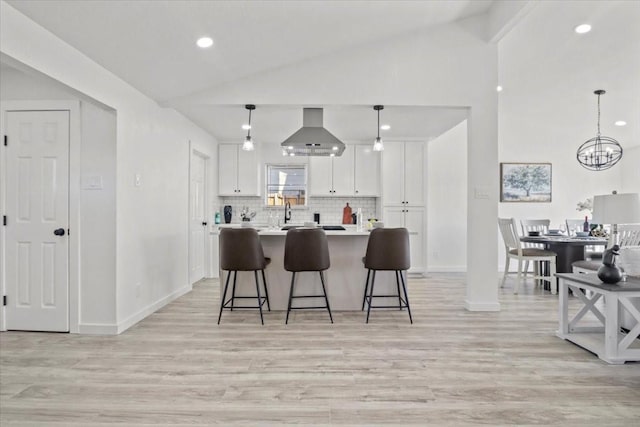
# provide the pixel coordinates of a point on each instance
(525, 182)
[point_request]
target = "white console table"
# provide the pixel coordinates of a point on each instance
(606, 340)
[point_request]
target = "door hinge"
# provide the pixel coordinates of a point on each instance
(5, 140)
(4, 300)
(4, 220)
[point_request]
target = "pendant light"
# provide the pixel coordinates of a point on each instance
(248, 141)
(377, 144)
(599, 153)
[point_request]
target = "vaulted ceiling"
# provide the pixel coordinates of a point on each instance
(151, 45)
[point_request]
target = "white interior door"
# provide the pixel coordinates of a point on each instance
(198, 217)
(37, 191)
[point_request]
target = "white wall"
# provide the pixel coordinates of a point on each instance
(97, 228)
(152, 219)
(445, 66)
(446, 203)
(538, 125)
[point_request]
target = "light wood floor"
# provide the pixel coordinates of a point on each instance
(451, 367)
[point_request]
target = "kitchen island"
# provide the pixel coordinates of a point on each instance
(345, 279)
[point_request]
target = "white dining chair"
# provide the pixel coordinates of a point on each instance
(514, 249)
(539, 225)
(590, 252)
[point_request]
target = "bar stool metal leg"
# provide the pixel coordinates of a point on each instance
(255, 275)
(266, 292)
(373, 282)
(293, 279)
(324, 290)
(398, 287)
(366, 287)
(406, 297)
(224, 295)
(233, 290)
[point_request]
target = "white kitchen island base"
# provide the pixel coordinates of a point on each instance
(344, 280)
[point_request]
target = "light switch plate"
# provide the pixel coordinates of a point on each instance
(480, 193)
(92, 182)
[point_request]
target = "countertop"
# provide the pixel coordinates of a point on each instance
(263, 230)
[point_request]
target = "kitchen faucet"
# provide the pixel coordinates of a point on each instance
(287, 212)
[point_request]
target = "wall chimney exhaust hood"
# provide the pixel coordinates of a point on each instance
(312, 139)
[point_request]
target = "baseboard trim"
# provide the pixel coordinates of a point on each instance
(98, 328)
(481, 306)
(152, 308)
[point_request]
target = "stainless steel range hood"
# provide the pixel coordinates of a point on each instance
(312, 139)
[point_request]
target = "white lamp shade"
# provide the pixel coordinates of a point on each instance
(616, 209)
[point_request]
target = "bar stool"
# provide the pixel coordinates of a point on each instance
(306, 249)
(387, 249)
(241, 250)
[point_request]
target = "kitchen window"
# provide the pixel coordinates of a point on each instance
(286, 184)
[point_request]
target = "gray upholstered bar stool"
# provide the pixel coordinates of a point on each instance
(306, 249)
(241, 250)
(387, 249)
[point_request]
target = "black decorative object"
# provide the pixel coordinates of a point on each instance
(602, 152)
(227, 214)
(609, 271)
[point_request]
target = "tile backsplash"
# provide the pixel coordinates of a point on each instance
(329, 208)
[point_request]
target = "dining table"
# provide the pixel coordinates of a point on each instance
(567, 248)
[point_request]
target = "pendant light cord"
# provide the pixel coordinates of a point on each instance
(378, 124)
(249, 130)
(598, 114)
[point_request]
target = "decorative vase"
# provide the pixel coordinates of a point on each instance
(227, 214)
(609, 274)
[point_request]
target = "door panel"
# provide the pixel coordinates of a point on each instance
(320, 176)
(343, 173)
(198, 216)
(393, 170)
(228, 170)
(37, 276)
(367, 171)
(414, 174)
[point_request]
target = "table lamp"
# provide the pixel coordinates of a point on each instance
(616, 209)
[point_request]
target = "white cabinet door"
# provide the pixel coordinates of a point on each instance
(228, 170)
(248, 175)
(343, 169)
(320, 176)
(367, 171)
(414, 174)
(393, 216)
(393, 167)
(414, 222)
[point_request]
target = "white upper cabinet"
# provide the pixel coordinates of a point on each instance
(367, 171)
(354, 173)
(403, 171)
(343, 173)
(238, 171)
(321, 176)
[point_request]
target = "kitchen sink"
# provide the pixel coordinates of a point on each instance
(324, 227)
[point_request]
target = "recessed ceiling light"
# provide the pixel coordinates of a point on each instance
(385, 127)
(583, 28)
(205, 42)
(620, 123)
(499, 88)
(246, 126)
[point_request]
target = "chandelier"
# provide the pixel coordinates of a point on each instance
(599, 153)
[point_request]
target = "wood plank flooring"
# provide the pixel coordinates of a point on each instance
(451, 367)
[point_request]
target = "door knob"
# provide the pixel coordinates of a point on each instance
(59, 231)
